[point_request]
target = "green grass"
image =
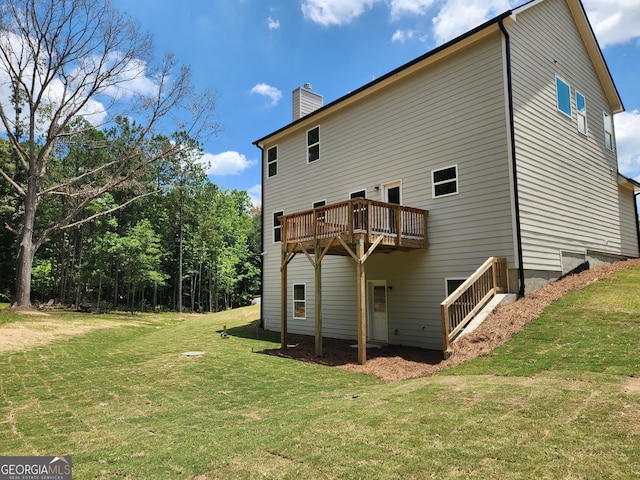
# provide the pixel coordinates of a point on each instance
(561, 400)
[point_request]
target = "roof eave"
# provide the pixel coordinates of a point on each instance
(416, 64)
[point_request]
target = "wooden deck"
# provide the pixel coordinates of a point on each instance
(357, 228)
(386, 225)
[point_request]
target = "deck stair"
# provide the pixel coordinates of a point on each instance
(470, 299)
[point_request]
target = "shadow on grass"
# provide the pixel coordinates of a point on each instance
(335, 352)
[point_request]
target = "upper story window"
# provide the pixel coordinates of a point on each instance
(608, 130)
(272, 161)
(445, 181)
(277, 229)
(581, 109)
(563, 96)
(313, 144)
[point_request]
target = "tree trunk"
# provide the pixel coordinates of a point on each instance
(180, 248)
(26, 248)
(24, 266)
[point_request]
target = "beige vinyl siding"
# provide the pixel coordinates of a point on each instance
(567, 181)
(629, 218)
(451, 113)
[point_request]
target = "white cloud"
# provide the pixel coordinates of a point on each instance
(458, 16)
(133, 79)
(402, 36)
(268, 91)
(273, 24)
(614, 21)
(627, 129)
(255, 194)
(410, 7)
(335, 12)
(225, 163)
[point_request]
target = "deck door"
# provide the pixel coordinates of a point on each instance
(392, 195)
(377, 306)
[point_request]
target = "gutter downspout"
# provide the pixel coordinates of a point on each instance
(512, 132)
(261, 237)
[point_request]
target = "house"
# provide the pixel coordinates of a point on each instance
(497, 145)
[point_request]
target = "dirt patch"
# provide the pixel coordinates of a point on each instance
(393, 363)
(23, 335)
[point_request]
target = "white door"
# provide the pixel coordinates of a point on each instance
(378, 322)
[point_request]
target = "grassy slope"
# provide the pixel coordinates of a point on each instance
(561, 400)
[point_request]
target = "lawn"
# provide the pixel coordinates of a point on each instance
(560, 400)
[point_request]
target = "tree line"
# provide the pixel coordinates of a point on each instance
(189, 245)
(102, 199)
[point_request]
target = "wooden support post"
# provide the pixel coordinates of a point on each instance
(283, 302)
(361, 286)
(318, 302)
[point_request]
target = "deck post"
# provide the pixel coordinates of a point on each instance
(283, 283)
(361, 287)
(318, 301)
(283, 302)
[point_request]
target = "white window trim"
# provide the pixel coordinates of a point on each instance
(447, 280)
(273, 227)
(387, 186)
(306, 139)
(558, 97)
(293, 290)
(358, 191)
(606, 115)
(457, 180)
(315, 204)
(274, 161)
(579, 114)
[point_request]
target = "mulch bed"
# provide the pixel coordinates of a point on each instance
(392, 363)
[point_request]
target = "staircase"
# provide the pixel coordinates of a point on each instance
(460, 308)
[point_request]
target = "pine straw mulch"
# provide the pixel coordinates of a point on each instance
(392, 363)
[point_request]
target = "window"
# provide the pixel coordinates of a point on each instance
(299, 300)
(272, 161)
(313, 144)
(358, 194)
(452, 284)
(581, 108)
(322, 213)
(445, 181)
(563, 96)
(277, 234)
(608, 131)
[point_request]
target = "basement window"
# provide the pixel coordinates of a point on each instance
(451, 284)
(299, 301)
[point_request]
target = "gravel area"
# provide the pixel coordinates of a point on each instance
(393, 363)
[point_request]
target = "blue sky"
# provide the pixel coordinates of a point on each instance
(253, 53)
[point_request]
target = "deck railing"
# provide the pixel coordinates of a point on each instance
(469, 298)
(399, 225)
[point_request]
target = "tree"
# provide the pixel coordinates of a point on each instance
(141, 258)
(72, 66)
